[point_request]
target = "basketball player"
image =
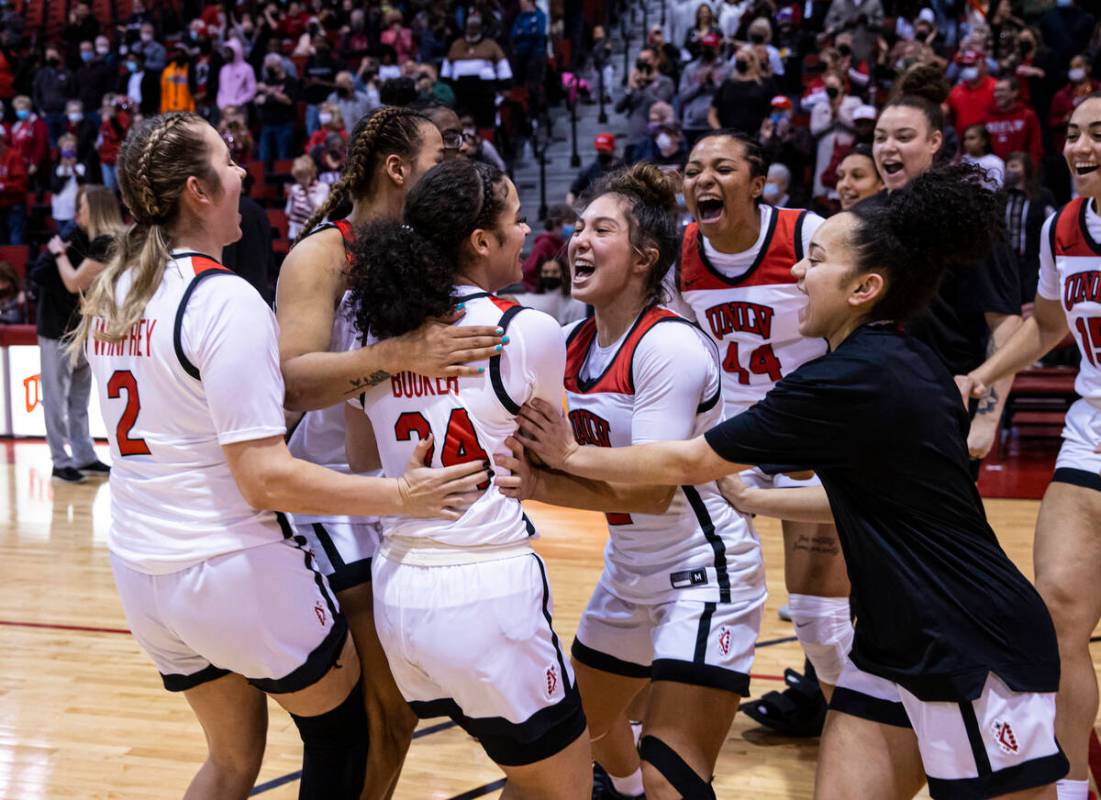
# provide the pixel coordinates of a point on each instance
(679, 602)
(1068, 529)
(734, 279)
(463, 608)
(220, 594)
(947, 630)
(389, 152)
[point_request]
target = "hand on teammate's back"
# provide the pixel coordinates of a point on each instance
(441, 349)
(520, 482)
(447, 492)
(546, 432)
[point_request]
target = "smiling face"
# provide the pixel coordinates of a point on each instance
(904, 145)
(503, 264)
(223, 192)
(856, 179)
(826, 277)
(603, 260)
(1083, 148)
(719, 186)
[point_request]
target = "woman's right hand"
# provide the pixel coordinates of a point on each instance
(427, 492)
(56, 246)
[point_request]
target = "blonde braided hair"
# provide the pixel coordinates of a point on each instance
(391, 130)
(154, 163)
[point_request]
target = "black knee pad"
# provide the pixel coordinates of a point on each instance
(673, 768)
(334, 744)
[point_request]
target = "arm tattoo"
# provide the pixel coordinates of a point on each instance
(375, 378)
(988, 402)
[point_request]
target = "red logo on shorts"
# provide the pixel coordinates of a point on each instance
(724, 640)
(320, 611)
(552, 680)
(1003, 735)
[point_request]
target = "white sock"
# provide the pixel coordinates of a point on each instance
(631, 786)
(1072, 790)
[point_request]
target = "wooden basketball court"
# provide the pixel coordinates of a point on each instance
(83, 714)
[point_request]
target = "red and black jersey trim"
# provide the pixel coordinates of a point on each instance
(1069, 235)
(510, 309)
(347, 233)
(205, 268)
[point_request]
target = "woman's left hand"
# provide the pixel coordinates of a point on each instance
(57, 246)
(545, 431)
(520, 483)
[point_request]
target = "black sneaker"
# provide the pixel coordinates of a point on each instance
(96, 466)
(68, 474)
(800, 710)
(603, 788)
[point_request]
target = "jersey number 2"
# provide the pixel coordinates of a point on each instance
(762, 361)
(460, 443)
(124, 379)
(1090, 331)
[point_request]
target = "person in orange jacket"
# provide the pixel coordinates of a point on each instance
(176, 83)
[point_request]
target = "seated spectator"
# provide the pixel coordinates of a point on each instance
(332, 122)
(666, 146)
(605, 162)
(777, 186)
(115, 116)
(976, 150)
(30, 139)
(549, 243)
(645, 86)
(743, 100)
(552, 294)
(353, 103)
(54, 85)
(13, 194)
(304, 196)
(429, 86)
(1013, 126)
(68, 176)
(13, 300)
(236, 78)
(236, 134)
(447, 122)
(276, 97)
(477, 148)
(176, 83)
(398, 92)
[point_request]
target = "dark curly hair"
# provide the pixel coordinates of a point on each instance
(403, 273)
(651, 197)
(942, 218)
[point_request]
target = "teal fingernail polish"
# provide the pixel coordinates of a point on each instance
(497, 348)
(505, 340)
(460, 306)
(481, 370)
(500, 331)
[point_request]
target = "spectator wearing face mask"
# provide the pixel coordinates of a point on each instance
(141, 86)
(1027, 205)
(970, 100)
(332, 122)
(331, 161)
(236, 78)
(68, 176)
(13, 300)
(84, 129)
(699, 83)
(833, 127)
(645, 86)
(318, 81)
(786, 143)
(176, 83)
(234, 130)
(398, 36)
(82, 26)
(1066, 29)
(666, 145)
(551, 294)
(276, 97)
(1080, 85)
(54, 85)
(96, 76)
(30, 139)
(605, 162)
(477, 68)
(549, 243)
(353, 103)
(862, 18)
(760, 36)
(777, 186)
(743, 99)
(1013, 126)
(156, 56)
(113, 126)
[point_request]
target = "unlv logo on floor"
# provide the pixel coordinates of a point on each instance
(1003, 735)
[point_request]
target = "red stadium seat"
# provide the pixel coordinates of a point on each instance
(280, 237)
(17, 255)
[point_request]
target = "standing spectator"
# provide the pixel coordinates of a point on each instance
(304, 196)
(205, 65)
(862, 18)
(353, 104)
(970, 100)
(399, 37)
(699, 83)
(156, 56)
(605, 162)
(730, 17)
(112, 130)
(976, 150)
(550, 243)
(276, 97)
(529, 53)
(318, 81)
(31, 141)
(236, 78)
(478, 69)
(1013, 126)
(789, 144)
(68, 176)
(61, 275)
(645, 86)
(53, 87)
(833, 126)
(1080, 85)
(13, 300)
(332, 122)
(9, 64)
(743, 100)
(1066, 29)
(760, 36)
(82, 26)
(85, 130)
(95, 77)
(234, 130)
(705, 26)
(1027, 205)
(13, 194)
(176, 83)
(142, 86)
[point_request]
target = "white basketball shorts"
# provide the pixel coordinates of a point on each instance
(265, 613)
(343, 548)
(756, 478)
(687, 641)
(1077, 463)
(474, 642)
(1001, 742)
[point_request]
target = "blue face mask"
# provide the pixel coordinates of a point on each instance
(85, 56)
(22, 113)
(567, 231)
(132, 66)
(1064, 3)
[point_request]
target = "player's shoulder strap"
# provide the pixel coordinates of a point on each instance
(509, 310)
(205, 268)
(347, 233)
(1069, 235)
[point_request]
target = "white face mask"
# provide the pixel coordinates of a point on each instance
(325, 117)
(147, 37)
(1076, 75)
(664, 141)
(968, 74)
(771, 193)
(103, 50)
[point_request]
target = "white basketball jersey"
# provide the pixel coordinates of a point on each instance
(199, 370)
(469, 419)
(700, 548)
(1070, 273)
(754, 317)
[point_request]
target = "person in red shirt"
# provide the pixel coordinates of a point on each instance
(549, 244)
(13, 193)
(970, 100)
(113, 129)
(1080, 86)
(31, 140)
(1013, 126)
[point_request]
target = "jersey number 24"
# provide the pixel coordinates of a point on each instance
(460, 442)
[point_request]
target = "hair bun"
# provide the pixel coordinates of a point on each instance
(646, 181)
(923, 80)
